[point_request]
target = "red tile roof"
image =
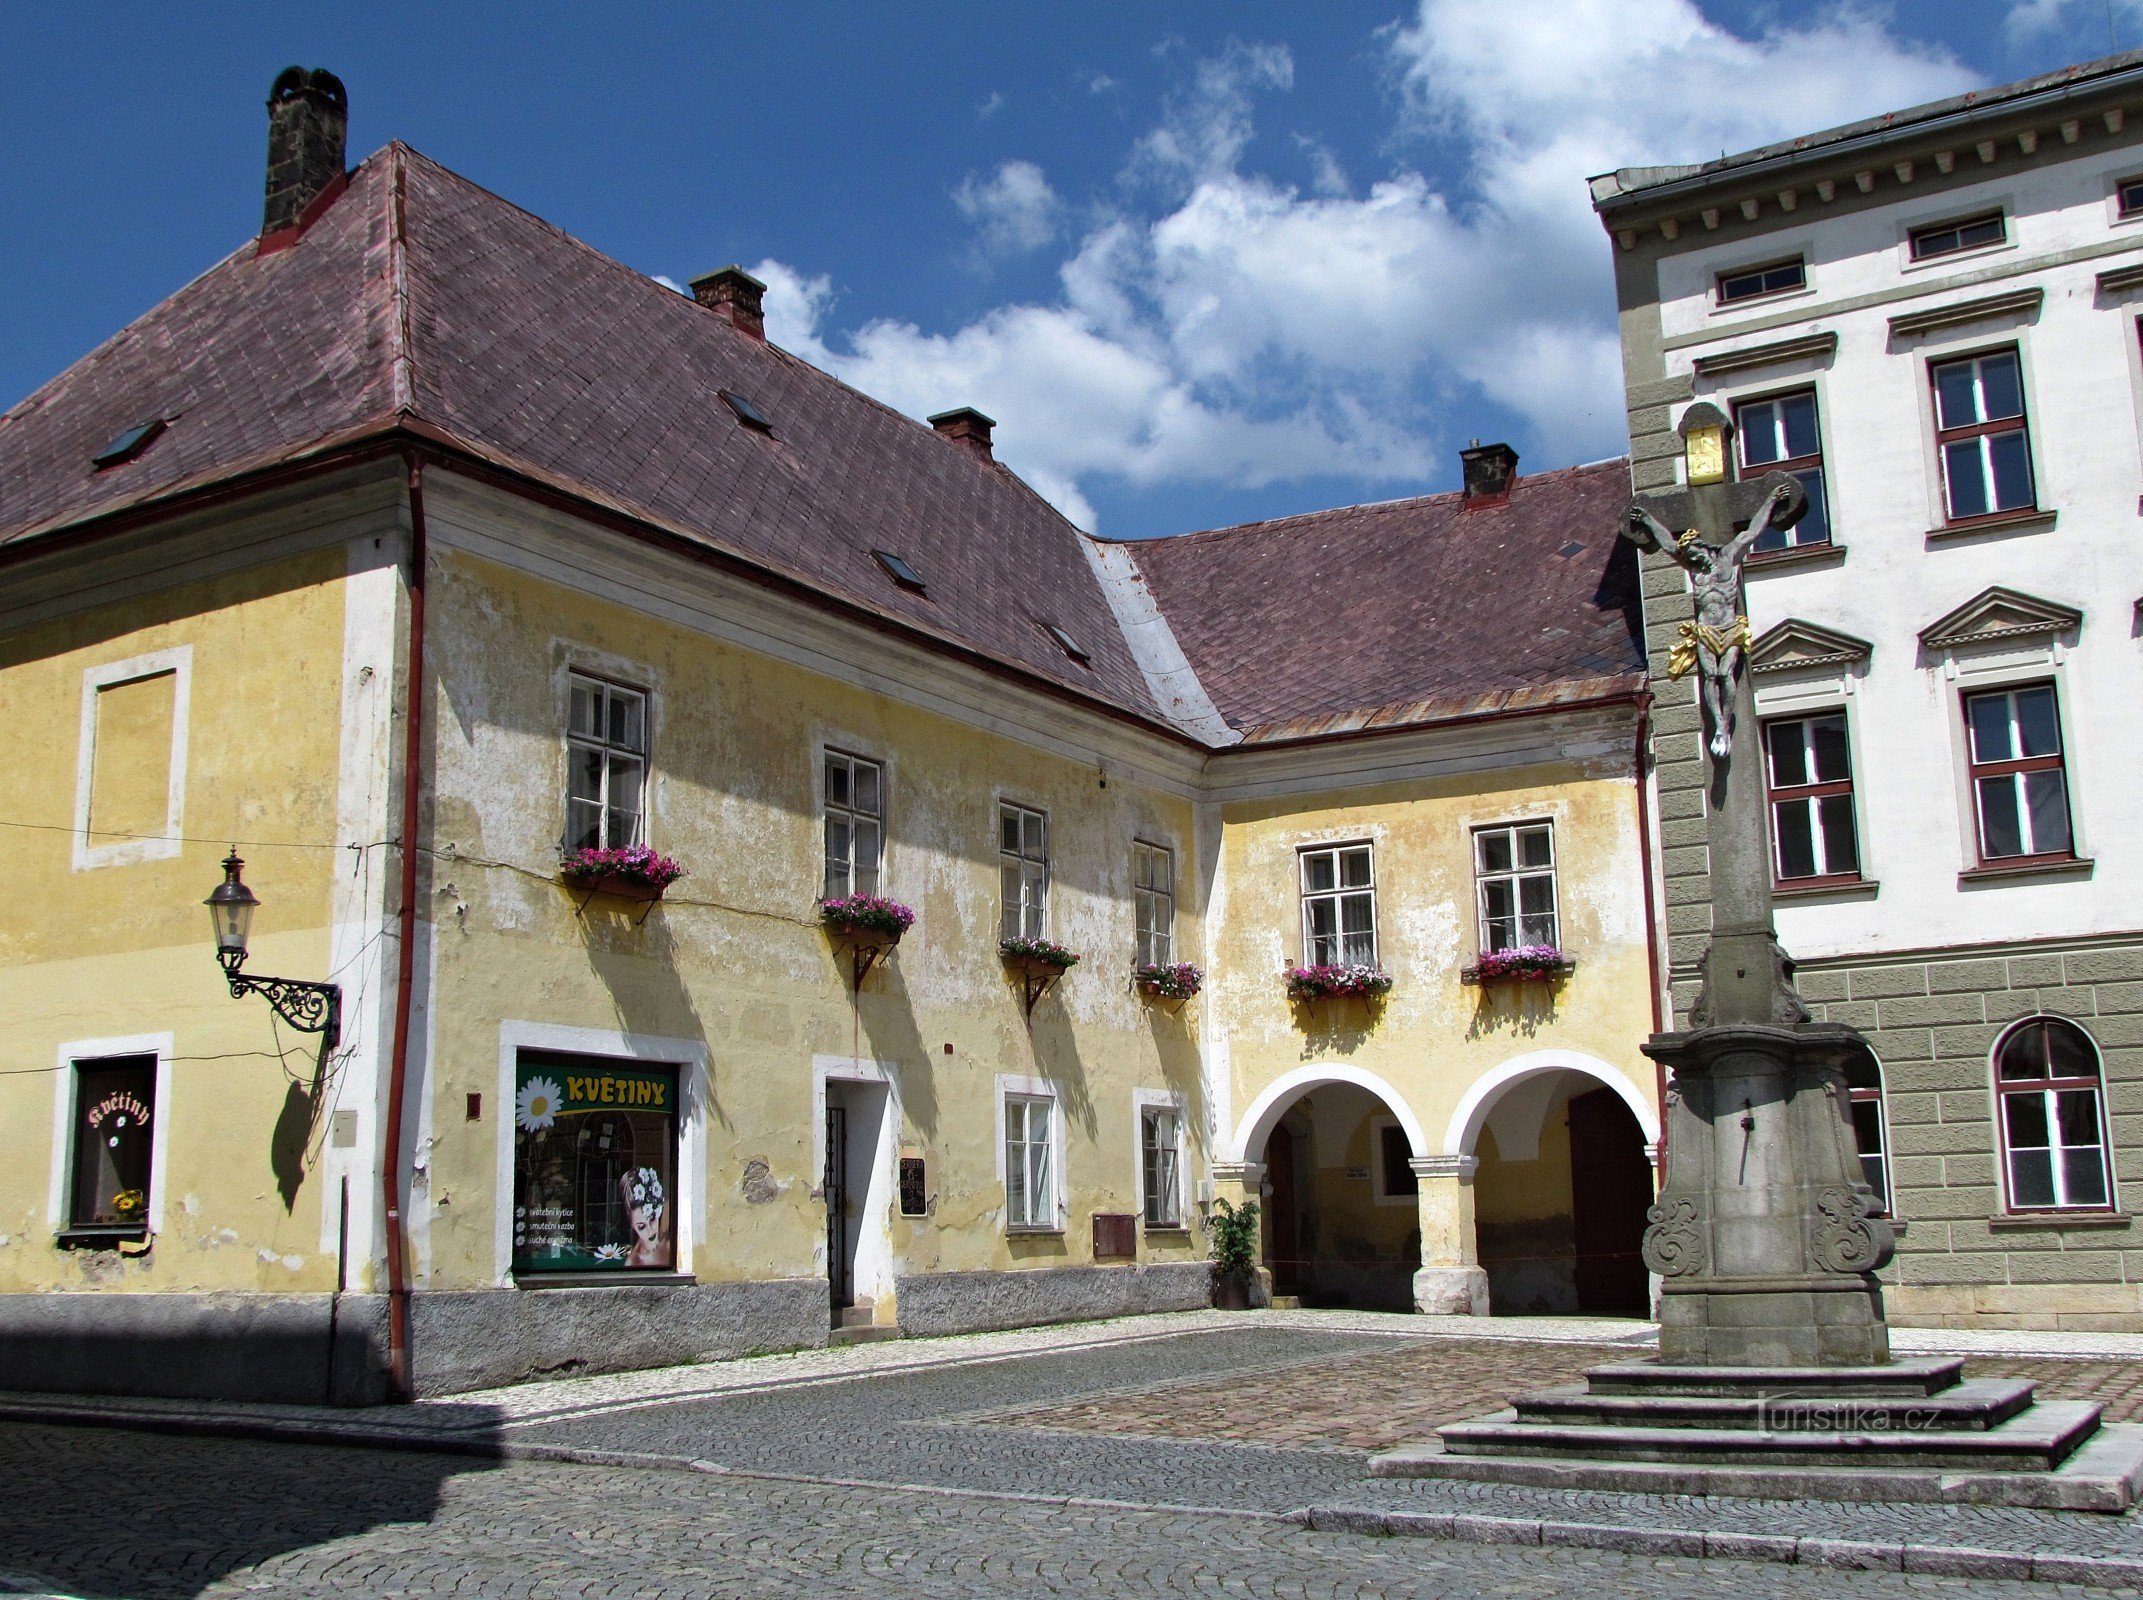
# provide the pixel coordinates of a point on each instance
(1411, 611)
(419, 305)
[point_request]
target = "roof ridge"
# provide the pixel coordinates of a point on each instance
(401, 341)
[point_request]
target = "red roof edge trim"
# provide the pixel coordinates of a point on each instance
(284, 238)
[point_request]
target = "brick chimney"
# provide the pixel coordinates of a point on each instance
(1490, 470)
(735, 295)
(308, 130)
(967, 428)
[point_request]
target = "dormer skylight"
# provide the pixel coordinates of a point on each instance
(1071, 647)
(129, 444)
(749, 411)
(899, 571)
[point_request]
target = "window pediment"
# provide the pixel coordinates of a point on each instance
(1997, 614)
(1795, 644)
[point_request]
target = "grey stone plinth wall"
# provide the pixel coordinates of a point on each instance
(481, 1338)
(975, 1302)
(292, 1349)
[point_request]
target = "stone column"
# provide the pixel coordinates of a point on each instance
(1450, 1282)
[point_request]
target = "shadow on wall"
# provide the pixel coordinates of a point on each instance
(199, 1510)
(1335, 1028)
(886, 1017)
(1522, 1009)
(636, 961)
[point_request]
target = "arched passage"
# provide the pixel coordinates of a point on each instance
(1562, 1185)
(1341, 1198)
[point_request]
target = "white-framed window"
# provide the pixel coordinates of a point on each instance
(1950, 238)
(130, 774)
(1392, 1163)
(1153, 898)
(1758, 283)
(2053, 1117)
(111, 1115)
(1514, 876)
(2020, 794)
(1030, 1156)
(1023, 859)
(606, 760)
(1339, 906)
(855, 824)
(1783, 433)
(1983, 435)
(1808, 771)
(1160, 1149)
(1871, 1127)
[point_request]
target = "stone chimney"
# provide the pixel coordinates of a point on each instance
(736, 296)
(1490, 471)
(308, 130)
(967, 428)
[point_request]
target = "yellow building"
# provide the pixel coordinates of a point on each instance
(416, 549)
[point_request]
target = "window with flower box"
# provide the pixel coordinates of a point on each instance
(1983, 436)
(1514, 882)
(1339, 907)
(1782, 434)
(855, 824)
(1023, 859)
(1808, 768)
(2020, 790)
(606, 759)
(2046, 1074)
(114, 1147)
(1153, 897)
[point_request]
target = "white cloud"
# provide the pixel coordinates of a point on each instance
(1014, 209)
(671, 283)
(2031, 22)
(990, 107)
(1215, 325)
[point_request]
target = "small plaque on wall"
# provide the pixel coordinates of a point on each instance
(914, 1191)
(1358, 1174)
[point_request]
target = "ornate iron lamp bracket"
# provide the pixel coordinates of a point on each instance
(308, 1007)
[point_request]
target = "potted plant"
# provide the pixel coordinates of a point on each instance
(866, 918)
(1234, 1237)
(1519, 964)
(1355, 982)
(634, 872)
(1038, 964)
(1164, 980)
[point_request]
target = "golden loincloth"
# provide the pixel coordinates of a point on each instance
(1717, 642)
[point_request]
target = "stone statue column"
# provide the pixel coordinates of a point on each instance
(1450, 1281)
(1761, 1235)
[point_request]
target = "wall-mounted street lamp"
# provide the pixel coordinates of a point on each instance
(308, 1007)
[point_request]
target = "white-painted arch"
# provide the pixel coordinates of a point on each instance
(1271, 1105)
(1480, 1099)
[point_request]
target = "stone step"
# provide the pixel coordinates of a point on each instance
(861, 1335)
(1975, 1404)
(1915, 1376)
(2037, 1440)
(854, 1316)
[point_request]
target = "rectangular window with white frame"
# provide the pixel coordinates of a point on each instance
(130, 778)
(1339, 906)
(1783, 434)
(855, 824)
(1514, 879)
(1760, 283)
(1031, 1184)
(1808, 768)
(1983, 435)
(606, 758)
(1153, 897)
(112, 1141)
(2020, 794)
(1160, 1145)
(1023, 861)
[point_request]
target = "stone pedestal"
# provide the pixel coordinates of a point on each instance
(1450, 1281)
(1762, 1236)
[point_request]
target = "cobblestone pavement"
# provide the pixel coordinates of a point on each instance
(108, 1514)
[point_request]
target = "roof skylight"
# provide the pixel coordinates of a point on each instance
(749, 411)
(1072, 647)
(129, 444)
(899, 571)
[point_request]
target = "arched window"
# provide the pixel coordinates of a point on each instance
(2053, 1117)
(1864, 1080)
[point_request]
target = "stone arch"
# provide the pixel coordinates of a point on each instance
(1481, 1096)
(1273, 1102)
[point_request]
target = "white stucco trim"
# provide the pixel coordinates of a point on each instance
(64, 1080)
(1142, 1101)
(689, 1056)
(1481, 1096)
(1272, 1103)
(178, 661)
(880, 1191)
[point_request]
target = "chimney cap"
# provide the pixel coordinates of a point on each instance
(967, 428)
(294, 81)
(725, 276)
(968, 414)
(1489, 470)
(735, 294)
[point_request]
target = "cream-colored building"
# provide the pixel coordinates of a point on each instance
(415, 546)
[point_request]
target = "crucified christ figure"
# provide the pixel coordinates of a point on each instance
(1713, 640)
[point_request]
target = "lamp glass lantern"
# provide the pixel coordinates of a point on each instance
(230, 911)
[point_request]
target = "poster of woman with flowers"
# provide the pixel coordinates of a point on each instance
(595, 1145)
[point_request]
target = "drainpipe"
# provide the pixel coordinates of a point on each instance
(1651, 910)
(406, 956)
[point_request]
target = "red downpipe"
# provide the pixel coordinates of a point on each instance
(1651, 911)
(406, 955)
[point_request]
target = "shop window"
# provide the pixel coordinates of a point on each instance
(606, 755)
(594, 1164)
(1781, 434)
(1514, 878)
(1339, 907)
(1023, 858)
(114, 1132)
(2053, 1117)
(1871, 1127)
(1161, 1165)
(855, 824)
(1154, 903)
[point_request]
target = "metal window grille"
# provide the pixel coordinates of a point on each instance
(855, 824)
(2053, 1118)
(1160, 1143)
(1023, 856)
(1783, 434)
(1809, 769)
(1514, 875)
(1339, 907)
(1153, 896)
(1030, 1178)
(2019, 784)
(606, 757)
(1982, 435)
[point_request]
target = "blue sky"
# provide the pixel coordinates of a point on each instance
(1203, 262)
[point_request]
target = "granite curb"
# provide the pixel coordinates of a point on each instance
(1944, 1561)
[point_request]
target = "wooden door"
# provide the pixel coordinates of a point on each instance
(1611, 1189)
(1282, 1224)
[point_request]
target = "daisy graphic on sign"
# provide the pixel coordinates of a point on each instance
(536, 1107)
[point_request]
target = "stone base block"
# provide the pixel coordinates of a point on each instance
(291, 1349)
(1725, 1322)
(482, 1338)
(1451, 1291)
(979, 1302)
